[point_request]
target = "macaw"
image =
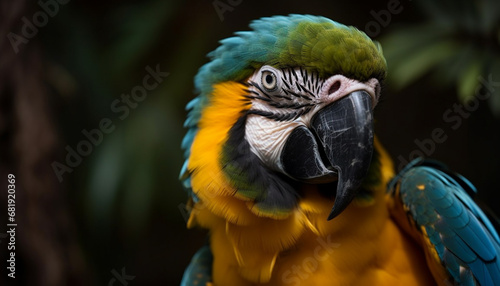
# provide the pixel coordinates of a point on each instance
(281, 131)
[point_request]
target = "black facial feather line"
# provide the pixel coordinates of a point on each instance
(295, 97)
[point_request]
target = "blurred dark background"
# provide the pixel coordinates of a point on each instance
(119, 210)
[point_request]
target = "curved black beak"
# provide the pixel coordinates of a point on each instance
(302, 158)
(340, 147)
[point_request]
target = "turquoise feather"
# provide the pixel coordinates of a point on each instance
(199, 271)
(464, 238)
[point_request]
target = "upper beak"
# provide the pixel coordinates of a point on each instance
(338, 145)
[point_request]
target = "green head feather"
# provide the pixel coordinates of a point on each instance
(311, 42)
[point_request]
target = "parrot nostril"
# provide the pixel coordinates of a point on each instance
(334, 87)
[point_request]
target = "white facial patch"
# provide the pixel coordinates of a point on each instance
(284, 99)
(267, 138)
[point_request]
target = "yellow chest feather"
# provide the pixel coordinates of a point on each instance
(370, 252)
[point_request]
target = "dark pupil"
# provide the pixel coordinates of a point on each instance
(269, 79)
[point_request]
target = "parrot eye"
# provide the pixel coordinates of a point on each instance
(269, 80)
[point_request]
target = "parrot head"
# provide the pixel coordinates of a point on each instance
(286, 104)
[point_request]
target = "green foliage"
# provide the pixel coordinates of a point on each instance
(126, 191)
(459, 42)
(134, 170)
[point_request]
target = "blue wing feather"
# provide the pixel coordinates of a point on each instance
(439, 203)
(199, 271)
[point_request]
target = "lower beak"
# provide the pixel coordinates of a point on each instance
(340, 147)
